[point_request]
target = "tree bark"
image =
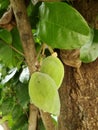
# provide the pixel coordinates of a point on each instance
(79, 90)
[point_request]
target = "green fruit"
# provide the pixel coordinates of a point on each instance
(43, 93)
(54, 68)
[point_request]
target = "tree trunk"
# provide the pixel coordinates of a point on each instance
(79, 90)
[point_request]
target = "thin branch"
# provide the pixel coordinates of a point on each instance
(16, 50)
(27, 40)
(25, 32)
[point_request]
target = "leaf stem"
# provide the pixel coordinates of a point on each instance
(16, 50)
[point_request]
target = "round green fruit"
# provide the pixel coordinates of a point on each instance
(43, 93)
(54, 68)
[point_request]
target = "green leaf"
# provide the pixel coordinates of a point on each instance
(0, 93)
(12, 55)
(7, 106)
(17, 112)
(5, 54)
(16, 40)
(25, 126)
(4, 4)
(20, 123)
(22, 94)
(32, 11)
(7, 118)
(61, 26)
(89, 52)
(8, 56)
(5, 36)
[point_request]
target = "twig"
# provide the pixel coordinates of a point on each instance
(16, 50)
(13, 48)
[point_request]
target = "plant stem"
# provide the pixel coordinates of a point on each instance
(28, 44)
(27, 40)
(16, 50)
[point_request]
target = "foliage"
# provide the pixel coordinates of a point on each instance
(57, 24)
(88, 52)
(65, 33)
(3, 6)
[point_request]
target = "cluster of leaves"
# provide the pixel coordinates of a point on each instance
(14, 97)
(14, 75)
(59, 26)
(13, 103)
(70, 32)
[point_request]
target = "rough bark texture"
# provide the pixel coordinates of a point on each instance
(79, 110)
(89, 9)
(79, 90)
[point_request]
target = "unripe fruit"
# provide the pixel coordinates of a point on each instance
(43, 93)
(54, 68)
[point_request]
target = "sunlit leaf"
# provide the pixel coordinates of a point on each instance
(7, 118)
(61, 26)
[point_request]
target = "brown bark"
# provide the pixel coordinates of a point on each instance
(79, 90)
(89, 9)
(79, 110)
